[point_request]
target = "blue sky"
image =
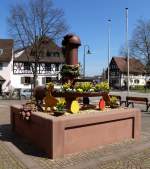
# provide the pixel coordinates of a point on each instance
(88, 19)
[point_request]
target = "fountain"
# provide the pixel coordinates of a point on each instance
(67, 134)
(70, 74)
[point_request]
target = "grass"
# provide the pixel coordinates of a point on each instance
(140, 90)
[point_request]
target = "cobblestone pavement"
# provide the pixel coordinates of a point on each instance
(16, 153)
(8, 160)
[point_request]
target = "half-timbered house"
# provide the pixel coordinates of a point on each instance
(118, 72)
(48, 67)
(6, 52)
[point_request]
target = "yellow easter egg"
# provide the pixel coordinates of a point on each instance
(75, 106)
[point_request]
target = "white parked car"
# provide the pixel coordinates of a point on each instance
(25, 93)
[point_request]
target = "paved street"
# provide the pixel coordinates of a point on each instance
(16, 153)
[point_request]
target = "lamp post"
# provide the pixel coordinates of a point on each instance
(109, 31)
(127, 49)
(86, 50)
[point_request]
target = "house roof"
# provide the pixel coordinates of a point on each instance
(6, 46)
(23, 58)
(135, 66)
(51, 47)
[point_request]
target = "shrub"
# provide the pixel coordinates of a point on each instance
(66, 86)
(84, 86)
(60, 104)
(103, 86)
(137, 87)
(113, 102)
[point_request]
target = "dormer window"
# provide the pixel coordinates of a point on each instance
(49, 54)
(56, 54)
(1, 51)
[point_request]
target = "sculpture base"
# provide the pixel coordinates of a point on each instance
(63, 135)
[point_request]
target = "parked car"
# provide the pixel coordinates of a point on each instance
(25, 93)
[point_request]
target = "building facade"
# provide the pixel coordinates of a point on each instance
(6, 53)
(118, 72)
(16, 70)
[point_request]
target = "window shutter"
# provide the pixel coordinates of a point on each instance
(43, 80)
(22, 80)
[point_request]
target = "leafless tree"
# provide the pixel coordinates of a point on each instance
(31, 23)
(123, 51)
(140, 42)
(139, 45)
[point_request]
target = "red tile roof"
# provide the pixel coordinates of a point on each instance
(48, 59)
(135, 66)
(50, 47)
(6, 45)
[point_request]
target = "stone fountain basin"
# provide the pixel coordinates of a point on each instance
(59, 136)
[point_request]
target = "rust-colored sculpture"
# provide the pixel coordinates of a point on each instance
(49, 100)
(70, 70)
(70, 48)
(39, 94)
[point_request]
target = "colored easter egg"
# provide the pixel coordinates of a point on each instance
(75, 106)
(101, 104)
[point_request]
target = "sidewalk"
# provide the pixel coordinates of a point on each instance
(16, 153)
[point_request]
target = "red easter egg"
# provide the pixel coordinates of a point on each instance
(101, 104)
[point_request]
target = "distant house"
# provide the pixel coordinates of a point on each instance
(118, 72)
(6, 52)
(48, 68)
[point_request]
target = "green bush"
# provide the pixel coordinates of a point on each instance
(113, 101)
(103, 86)
(85, 86)
(138, 87)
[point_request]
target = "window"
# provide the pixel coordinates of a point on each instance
(57, 67)
(1, 51)
(47, 67)
(49, 54)
(27, 66)
(1, 66)
(136, 81)
(113, 73)
(131, 80)
(48, 79)
(56, 54)
(26, 80)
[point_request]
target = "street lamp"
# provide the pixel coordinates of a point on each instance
(127, 50)
(109, 31)
(86, 51)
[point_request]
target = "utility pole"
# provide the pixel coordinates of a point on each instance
(127, 50)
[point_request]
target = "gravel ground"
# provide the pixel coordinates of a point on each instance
(17, 153)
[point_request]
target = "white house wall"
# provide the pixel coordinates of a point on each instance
(16, 81)
(142, 80)
(5, 73)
